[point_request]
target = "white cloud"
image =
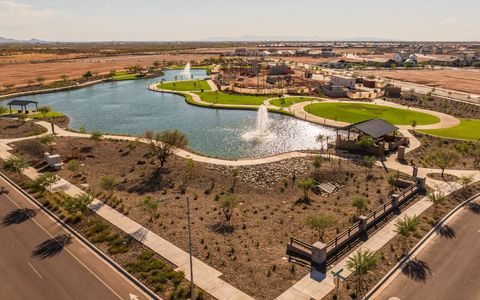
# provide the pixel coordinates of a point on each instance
(11, 9)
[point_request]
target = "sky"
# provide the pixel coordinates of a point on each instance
(176, 20)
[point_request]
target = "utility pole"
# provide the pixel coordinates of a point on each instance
(192, 286)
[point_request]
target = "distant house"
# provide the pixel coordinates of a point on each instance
(327, 52)
(344, 81)
(403, 57)
(279, 70)
(470, 56)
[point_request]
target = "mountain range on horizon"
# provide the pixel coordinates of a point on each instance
(244, 38)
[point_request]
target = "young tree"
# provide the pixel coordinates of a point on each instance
(465, 181)
(96, 135)
(317, 163)
(234, 179)
(108, 183)
(368, 162)
(321, 222)
(228, 203)
(360, 203)
(73, 166)
(437, 199)
(164, 143)
(362, 263)
(47, 140)
(78, 204)
(150, 206)
(44, 110)
(405, 227)
(87, 75)
(443, 158)
(392, 180)
(43, 182)
(306, 184)
(15, 164)
(40, 80)
(64, 78)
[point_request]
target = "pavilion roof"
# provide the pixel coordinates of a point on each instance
(375, 128)
(21, 102)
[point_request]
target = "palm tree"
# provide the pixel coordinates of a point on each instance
(362, 263)
(436, 199)
(15, 164)
(360, 203)
(465, 181)
(320, 223)
(405, 227)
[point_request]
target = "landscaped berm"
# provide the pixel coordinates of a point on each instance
(358, 112)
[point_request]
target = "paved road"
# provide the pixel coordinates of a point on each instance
(452, 265)
(32, 270)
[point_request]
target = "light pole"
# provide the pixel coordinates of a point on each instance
(189, 239)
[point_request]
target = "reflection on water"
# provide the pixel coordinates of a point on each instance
(127, 107)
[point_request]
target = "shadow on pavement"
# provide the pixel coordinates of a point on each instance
(51, 247)
(446, 232)
(417, 270)
(475, 207)
(138, 235)
(18, 216)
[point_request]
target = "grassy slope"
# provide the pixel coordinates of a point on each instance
(289, 101)
(222, 98)
(357, 112)
(469, 129)
(52, 114)
(185, 85)
(125, 76)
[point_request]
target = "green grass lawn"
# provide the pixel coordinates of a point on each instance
(222, 98)
(469, 129)
(289, 101)
(190, 85)
(52, 114)
(179, 67)
(126, 76)
(357, 112)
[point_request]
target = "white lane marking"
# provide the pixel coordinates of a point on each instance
(133, 297)
(68, 251)
(34, 270)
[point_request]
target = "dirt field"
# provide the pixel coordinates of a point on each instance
(19, 73)
(251, 253)
(28, 57)
(17, 129)
(459, 80)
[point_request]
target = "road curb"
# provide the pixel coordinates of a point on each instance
(92, 247)
(418, 247)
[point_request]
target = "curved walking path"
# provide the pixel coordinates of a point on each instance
(312, 286)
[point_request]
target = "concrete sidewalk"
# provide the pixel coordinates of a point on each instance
(317, 285)
(205, 277)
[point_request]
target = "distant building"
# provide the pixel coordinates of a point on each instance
(402, 57)
(327, 52)
(344, 81)
(279, 70)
